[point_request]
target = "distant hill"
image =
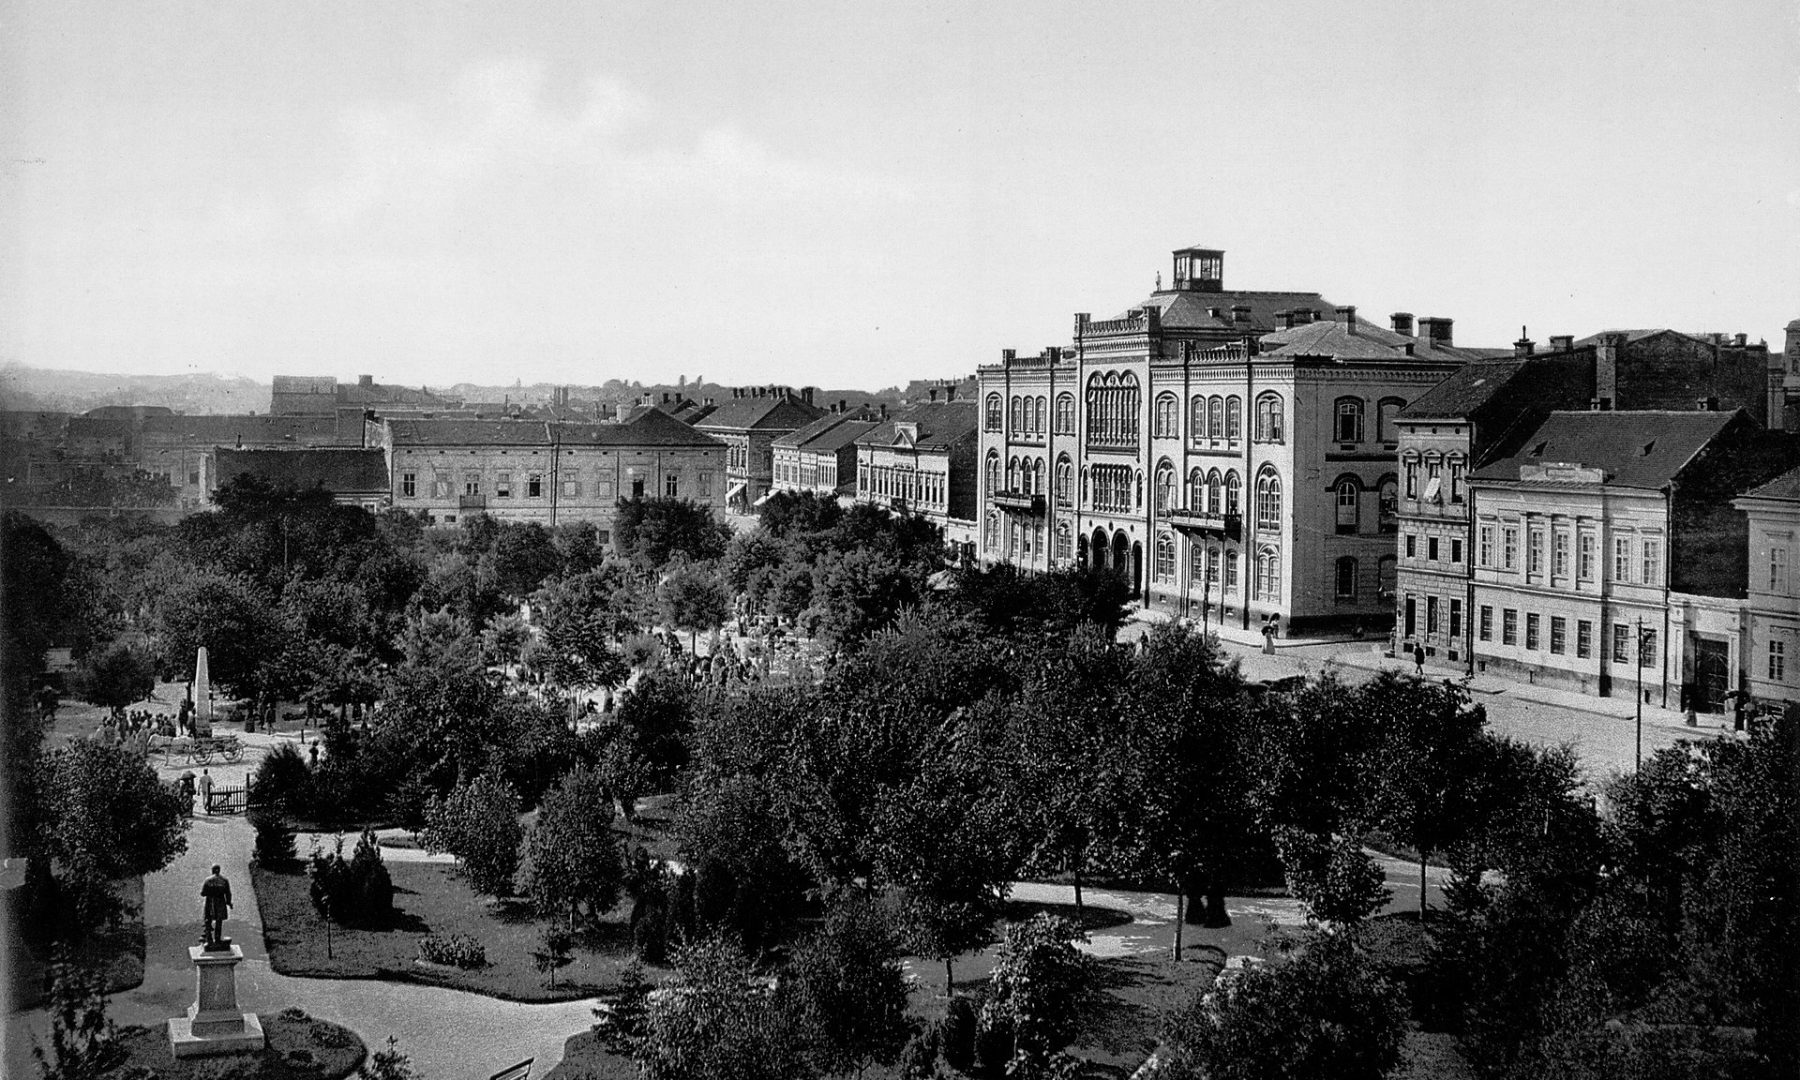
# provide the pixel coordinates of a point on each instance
(23, 387)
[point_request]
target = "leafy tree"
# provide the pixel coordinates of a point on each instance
(1014, 601)
(479, 824)
(693, 598)
(232, 616)
(1038, 989)
(113, 818)
(798, 512)
(1321, 1012)
(115, 676)
(357, 891)
(654, 719)
(651, 533)
(1337, 882)
(731, 831)
(858, 591)
(847, 985)
(572, 865)
(716, 1021)
(83, 1042)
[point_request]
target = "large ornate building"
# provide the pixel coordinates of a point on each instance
(1231, 452)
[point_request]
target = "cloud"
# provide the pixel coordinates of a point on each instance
(497, 133)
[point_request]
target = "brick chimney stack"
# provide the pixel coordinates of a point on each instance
(1402, 322)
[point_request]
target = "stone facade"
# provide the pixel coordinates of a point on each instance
(748, 423)
(923, 462)
(820, 458)
(1772, 608)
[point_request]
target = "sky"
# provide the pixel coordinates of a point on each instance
(859, 194)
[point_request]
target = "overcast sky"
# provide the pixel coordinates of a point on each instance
(854, 194)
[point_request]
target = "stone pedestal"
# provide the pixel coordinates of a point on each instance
(213, 1024)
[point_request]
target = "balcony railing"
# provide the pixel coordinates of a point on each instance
(1019, 502)
(471, 502)
(1227, 525)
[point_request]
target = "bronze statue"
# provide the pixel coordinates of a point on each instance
(216, 896)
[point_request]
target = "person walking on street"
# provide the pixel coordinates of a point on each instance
(1419, 659)
(206, 784)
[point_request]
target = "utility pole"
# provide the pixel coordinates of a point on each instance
(1637, 660)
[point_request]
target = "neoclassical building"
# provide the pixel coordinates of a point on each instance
(1231, 452)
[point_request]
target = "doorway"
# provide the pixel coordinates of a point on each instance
(1712, 674)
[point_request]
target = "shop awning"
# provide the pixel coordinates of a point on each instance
(734, 491)
(763, 498)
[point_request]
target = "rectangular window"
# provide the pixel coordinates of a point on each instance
(1509, 626)
(471, 483)
(1431, 614)
(571, 489)
(1652, 563)
(1584, 566)
(672, 486)
(1778, 570)
(503, 485)
(1777, 661)
(1431, 548)
(1584, 638)
(1456, 549)
(1622, 560)
(1532, 640)
(1485, 545)
(1559, 556)
(1647, 648)
(534, 485)
(440, 486)
(1559, 629)
(1231, 571)
(409, 484)
(1411, 545)
(1412, 616)
(1535, 553)
(1509, 552)
(1485, 624)
(1455, 619)
(1621, 643)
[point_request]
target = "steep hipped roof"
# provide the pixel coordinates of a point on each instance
(224, 429)
(1334, 338)
(1465, 391)
(1785, 487)
(1190, 309)
(941, 425)
(652, 427)
(771, 412)
(828, 433)
(420, 431)
(1635, 449)
(339, 470)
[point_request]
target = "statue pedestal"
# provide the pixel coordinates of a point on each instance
(213, 1024)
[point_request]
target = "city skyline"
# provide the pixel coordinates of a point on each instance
(811, 197)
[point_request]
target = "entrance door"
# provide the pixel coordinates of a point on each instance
(1712, 674)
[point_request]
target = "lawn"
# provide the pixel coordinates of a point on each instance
(300, 1048)
(432, 898)
(117, 953)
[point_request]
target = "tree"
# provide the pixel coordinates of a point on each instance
(1334, 879)
(847, 985)
(693, 598)
(232, 617)
(651, 533)
(113, 818)
(555, 949)
(479, 824)
(731, 833)
(83, 1042)
(1039, 986)
(572, 866)
(1322, 1012)
(115, 676)
(798, 512)
(387, 1064)
(715, 1020)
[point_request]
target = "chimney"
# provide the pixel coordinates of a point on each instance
(1606, 370)
(884, 410)
(1562, 342)
(842, 404)
(933, 393)
(1402, 322)
(1006, 359)
(1741, 340)
(1347, 316)
(1524, 346)
(806, 394)
(1436, 330)
(365, 381)
(1284, 319)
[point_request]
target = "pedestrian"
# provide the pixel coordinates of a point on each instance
(1419, 658)
(206, 786)
(313, 754)
(215, 896)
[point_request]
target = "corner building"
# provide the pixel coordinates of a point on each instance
(1232, 453)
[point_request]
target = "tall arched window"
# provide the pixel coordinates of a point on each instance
(1015, 413)
(1268, 574)
(1459, 468)
(993, 470)
(1043, 415)
(1410, 467)
(1215, 416)
(1214, 493)
(1065, 472)
(1197, 418)
(1065, 414)
(1387, 415)
(1346, 580)
(1234, 417)
(1065, 549)
(1168, 417)
(1165, 557)
(1386, 577)
(991, 534)
(1165, 487)
(1349, 502)
(1037, 478)
(1012, 474)
(993, 412)
(1233, 486)
(1231, 570)
(1268, 500)
(1268, 418)
(1112, 409)
(1348, 422)
(1196, 490)
(1388, 503)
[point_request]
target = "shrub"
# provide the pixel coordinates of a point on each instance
(456, 950)
(479, 824)
(1038, 989)
(274, 837)
(353, 891)
(283, 781)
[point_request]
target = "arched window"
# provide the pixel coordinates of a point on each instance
(1112, 409)
(1348, 423)
(1233, 486)
(1268, 500)
(991, 535)
(1015, 412)
(1197, 418)
(1389, 503)
(1196, 484)
(1037, 478)
(1215, 416)
(1268, 418)
(1165, 557)
(1231, 570)
(1012, 474)
(1387, 414)
(1165, 487)
(993, 470)
(1346, 580)
(1434, 478)
(1349, 501)
(1214, 493)
(1387, 576)
(1065, 414)
(1084, 484)
(1065, 549)
(1065, 472)
(1167, 416)
(1268, 574)
(1234, 417)
(1196, 563)
(1137, 493)
(1410, 466)
(1459, 468)
(993, 412)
